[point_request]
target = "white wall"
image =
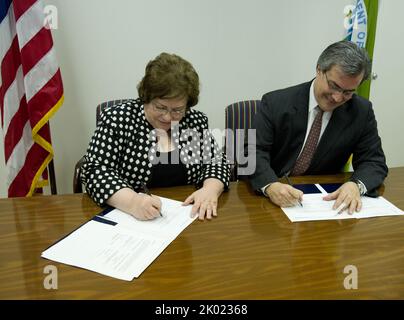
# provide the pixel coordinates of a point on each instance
(241, 49)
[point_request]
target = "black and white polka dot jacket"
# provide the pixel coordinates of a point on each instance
(124, 148)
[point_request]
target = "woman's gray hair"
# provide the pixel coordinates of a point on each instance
(352, 59)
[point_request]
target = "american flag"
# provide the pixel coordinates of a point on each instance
(31, 91)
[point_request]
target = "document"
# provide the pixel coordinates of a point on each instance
(175, 218)
(118, 245)
(315, 208)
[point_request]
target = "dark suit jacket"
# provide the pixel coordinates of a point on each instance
(281, 124)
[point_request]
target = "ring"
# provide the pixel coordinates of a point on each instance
(342, 207)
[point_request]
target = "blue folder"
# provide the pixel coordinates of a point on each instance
(330, 187)
(311, 188)
(307, 188)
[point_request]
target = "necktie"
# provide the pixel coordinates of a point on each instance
(304, 160)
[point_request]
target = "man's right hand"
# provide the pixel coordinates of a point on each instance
(283, 195)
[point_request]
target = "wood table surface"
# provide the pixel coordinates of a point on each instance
(250, 251)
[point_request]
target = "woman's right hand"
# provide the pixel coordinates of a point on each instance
(145, 207)
(139, 205)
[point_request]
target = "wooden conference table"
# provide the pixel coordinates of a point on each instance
(251, 251)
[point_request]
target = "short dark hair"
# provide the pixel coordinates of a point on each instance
(169, 76)
(352, 59)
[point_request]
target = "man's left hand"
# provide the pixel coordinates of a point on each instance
(347, 197)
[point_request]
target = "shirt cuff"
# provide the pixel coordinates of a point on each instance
(363, 186)
(263, 189)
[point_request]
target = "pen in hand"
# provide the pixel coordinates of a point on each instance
(290, 183)
(146, 190)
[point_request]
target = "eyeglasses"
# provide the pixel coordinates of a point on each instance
(334, 87)
(175, 114)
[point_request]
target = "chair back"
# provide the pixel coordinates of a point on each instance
(77, 185)
(238, 118)
(105, 105)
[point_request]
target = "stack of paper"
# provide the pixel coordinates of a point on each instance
(315, 208)
(118, 245)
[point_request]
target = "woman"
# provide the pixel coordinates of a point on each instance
(157, 140)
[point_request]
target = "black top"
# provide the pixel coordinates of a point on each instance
(171, 172)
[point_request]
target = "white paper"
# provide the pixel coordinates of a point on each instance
(175, 217)
(315, 208)
(123, 250)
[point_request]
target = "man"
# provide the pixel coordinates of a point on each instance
(314, 127)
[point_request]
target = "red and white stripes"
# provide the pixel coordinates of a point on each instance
(31, 92)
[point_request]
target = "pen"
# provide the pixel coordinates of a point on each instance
(146, 190)
(290, 183)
